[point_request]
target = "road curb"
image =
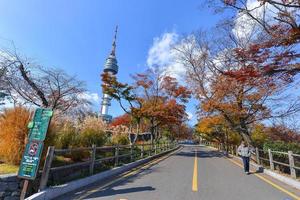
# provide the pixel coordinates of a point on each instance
(56, 191)
(289, 181)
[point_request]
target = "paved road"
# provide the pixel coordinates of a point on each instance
(193, 172)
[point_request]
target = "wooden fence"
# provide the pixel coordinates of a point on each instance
(93, 157)
(285, 162)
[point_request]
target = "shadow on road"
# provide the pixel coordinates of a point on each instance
(201, 154)
(112, 192)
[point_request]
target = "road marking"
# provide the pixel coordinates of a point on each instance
(134, 171)
(195, 174)
(270, 182)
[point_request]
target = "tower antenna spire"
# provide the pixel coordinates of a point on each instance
(113, 51)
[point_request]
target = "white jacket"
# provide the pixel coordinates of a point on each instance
(244, 151)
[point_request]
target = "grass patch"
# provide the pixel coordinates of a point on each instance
(8, 169)
(61, 161)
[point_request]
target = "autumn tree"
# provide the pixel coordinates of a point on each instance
(28, 83)
(277, 49)
(282, 133)
(162, 98)
(124, 120)
(125, 96)
(239, 99)
(259, 135)
(216, 129)
(153, 97)
(178, 132)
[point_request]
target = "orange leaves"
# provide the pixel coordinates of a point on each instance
(206, 124)
(172, 88)
(243, 74)
(153, 97)
(121, 120)
(240, 102)
(143, 80)
(13, 134)
(160, 98)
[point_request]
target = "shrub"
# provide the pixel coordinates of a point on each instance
(120, 138)
(92, 131)
(13, 134)
(66, 135)
(282, 146)
(120, 135)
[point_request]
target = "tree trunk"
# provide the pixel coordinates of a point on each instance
(246, 138)
(152, 130)
(245, 133)
(38, 91)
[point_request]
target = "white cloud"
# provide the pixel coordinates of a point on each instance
(190, 115)
(244, 24)
(163, 56)
(160, 54)
(93, 97)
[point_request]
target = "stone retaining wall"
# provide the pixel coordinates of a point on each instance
(10, 187)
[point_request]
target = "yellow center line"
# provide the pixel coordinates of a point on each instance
(270, 182)
(195, 174)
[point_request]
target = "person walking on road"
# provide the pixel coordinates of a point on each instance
(244, 151)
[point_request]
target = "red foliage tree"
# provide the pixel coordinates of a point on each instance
(124, 119)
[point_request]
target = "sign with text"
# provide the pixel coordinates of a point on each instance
(30, 161)
(39, 125)
(37, 133)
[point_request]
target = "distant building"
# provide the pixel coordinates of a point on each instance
(110, 66)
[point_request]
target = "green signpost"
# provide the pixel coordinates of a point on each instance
(31, 157)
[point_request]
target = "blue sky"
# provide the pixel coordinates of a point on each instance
(76, 35)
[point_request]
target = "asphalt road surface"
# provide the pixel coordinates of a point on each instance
(193, 172)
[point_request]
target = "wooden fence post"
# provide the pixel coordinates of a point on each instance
(46, 168)
(155, 149)
(142, 151)
(257, 156)
(292, 164)
(271, 159)
(24, 189)
(151, 148)
(131, 152)
(116, 155)
(93, 157)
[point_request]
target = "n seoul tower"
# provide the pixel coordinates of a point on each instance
(110, 66)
